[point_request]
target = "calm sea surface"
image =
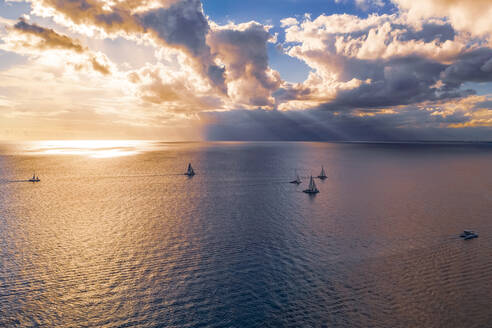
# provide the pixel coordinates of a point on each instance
(115, 236)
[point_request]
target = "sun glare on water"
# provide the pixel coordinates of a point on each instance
(90, 148)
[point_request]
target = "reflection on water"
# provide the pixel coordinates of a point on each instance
(130, 241)
(91, 148)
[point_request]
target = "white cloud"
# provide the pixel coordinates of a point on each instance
(473, 16)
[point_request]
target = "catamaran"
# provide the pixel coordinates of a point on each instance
(468, 234)
(190, 172)
(34, 178)
(322, 175)
(312, 187)
(297, 180)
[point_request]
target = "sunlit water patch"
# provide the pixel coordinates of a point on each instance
(90, 148)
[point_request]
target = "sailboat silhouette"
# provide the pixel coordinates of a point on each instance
(190, 172)
(34, 178)
(312, 187)
(297, 180)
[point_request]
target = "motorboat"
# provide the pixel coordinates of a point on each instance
(468, 234)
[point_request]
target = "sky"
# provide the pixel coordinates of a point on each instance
(355, 70)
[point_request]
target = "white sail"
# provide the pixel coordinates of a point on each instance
(312, 187)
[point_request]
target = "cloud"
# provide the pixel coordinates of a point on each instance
(437, 121)
(365, 4)
(6, 21)
(172, 23)
(242, 49)
(174, 89)
(32, 39)
(260, 125)
(184, 25)
(374, 77)
(464, 15)
(473, 66)
(99, 66)
(400, 81)
(289, 21)
(376, 37)
(380, 61)
(89, 16)
(48, 38)
(48, 100)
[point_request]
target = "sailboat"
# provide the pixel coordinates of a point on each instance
(312, 187)
(297, 180)
(34, 178)
(190, 172)
(322, 175)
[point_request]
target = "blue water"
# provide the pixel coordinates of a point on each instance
(116, 236)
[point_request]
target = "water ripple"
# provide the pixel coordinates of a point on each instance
(130, 242)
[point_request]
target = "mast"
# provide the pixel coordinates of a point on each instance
(312, 187)
(190, 171)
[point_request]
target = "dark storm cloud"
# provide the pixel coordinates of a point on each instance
(473, 66)
(184, 25)
(289, 93)
(428, 33)
(317, 125)
(394, 82)
(408, 80)
(484, 105)
(400, 81)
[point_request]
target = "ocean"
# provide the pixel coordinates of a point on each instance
(114, 235)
